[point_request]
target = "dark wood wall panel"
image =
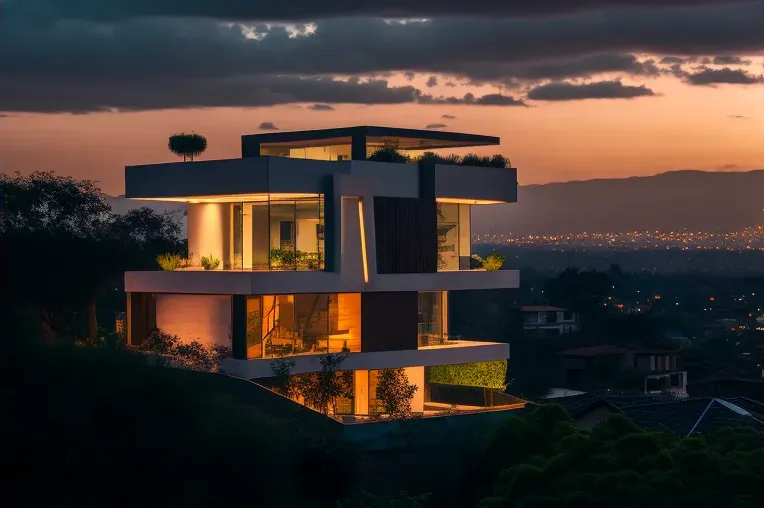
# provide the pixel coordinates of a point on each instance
(142, 317)
(406, 235)
(389, 321)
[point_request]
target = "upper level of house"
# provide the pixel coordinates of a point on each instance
(303, 164)
(312, 201)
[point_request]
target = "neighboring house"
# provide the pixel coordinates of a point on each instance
(322, 251)
(653, 371)
(546, 320)
(666, 414)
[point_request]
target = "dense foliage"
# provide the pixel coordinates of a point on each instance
(64, 252)
(492, 374)
(392, 154)
(210, 262)
(543, 460)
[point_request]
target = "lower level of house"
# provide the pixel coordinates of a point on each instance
(361, 397)
(378, 329)
(403, 331)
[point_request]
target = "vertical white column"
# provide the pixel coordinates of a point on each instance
(246, 236)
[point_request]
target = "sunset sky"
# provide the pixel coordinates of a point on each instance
(642, 87)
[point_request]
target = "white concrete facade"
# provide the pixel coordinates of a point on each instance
(458, 352)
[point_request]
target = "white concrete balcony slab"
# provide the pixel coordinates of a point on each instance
(245, 282)
(454, 352)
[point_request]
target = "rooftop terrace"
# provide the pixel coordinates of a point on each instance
(359, 141)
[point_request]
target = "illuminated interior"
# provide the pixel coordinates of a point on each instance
(285, 325)
(433, 319)
(269, 234)
(454, 236)
(336, 149)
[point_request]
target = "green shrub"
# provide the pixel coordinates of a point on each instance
(492, 374)
(283, 258)
(172, 261)
(391, 154)
(493, 261)
(210, 262)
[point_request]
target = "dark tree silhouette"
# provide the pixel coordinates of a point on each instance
(63, 249)
(187, 146)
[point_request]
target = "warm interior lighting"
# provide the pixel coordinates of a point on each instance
(363, 242)
(461, 201)
(232, 198)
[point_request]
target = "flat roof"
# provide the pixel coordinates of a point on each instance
(407, 139)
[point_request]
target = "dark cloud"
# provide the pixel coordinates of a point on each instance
(708, 76)
(730, 60)
(676, 60)
(151, 48)
(72, 96)
(598, 90)
(75, 63)
(432, 81)
(448, 117)
(576, 67)
(321, 107)
(470, 99)
(436, 126)
(198, 93)
(739, 117)
(111, 10)
(268, 126)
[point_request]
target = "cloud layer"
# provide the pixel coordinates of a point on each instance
(300, 10)
(598, 90)
(92, 55)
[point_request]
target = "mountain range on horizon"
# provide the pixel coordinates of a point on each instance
(702, 201)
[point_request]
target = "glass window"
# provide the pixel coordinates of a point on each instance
(322, 153)
(431, 318)
(278, 235)
(375, 407)
(309, 323)
(448, 236)
(254, 327)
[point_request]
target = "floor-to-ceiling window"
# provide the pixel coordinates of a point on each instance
(298, 324)
(431, 330)
(453, 236)
(278, 234)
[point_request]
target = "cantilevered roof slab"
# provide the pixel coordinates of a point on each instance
(360, 137)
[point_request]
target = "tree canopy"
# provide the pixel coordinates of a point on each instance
(63, 249)
(545, 461)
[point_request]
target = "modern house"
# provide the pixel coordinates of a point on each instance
(322, 251)
(639, 369)
(545, 320)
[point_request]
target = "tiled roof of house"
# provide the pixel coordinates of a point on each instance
(682, 417)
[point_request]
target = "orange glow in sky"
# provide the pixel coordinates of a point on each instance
(683, 127)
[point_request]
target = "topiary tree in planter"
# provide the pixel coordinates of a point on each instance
(187, 146)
